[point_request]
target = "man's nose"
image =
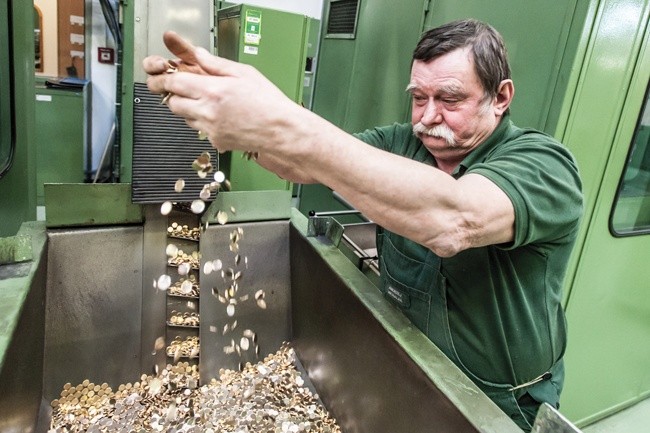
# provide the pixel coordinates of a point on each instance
(431, 114)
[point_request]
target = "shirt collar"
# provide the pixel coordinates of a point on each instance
(481, 151)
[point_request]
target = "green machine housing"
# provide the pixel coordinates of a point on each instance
(278, 44)
(62, 134)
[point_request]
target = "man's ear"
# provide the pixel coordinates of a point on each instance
(504, 96)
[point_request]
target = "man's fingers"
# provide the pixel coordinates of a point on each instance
(217, 65)
(154, 65)
(180, 47)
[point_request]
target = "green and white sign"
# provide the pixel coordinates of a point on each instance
(252, 33)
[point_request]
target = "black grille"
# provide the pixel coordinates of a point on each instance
(164, 148)
(342, 17)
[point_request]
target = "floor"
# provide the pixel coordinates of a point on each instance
(635, 419)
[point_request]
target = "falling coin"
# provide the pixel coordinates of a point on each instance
(164, 281)
(230, 310)
(166, 208)
(183, 269)
(217, 265)
(159, 344)
(208, 267)
(198, 206)
(172, 250)
(204, 194)
(186, 287)
(179, 185)
(222, 217)
(219, 176)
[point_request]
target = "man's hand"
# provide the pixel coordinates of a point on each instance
(182, 49)
(233, 104)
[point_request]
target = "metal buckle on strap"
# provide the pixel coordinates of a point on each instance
(545, 376)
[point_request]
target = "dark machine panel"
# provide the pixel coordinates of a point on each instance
(164, 148)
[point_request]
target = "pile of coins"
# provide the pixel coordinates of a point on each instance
(185, 287)
(181, 257)
(176, 230)
(184, 319)
(188, 348)
(269, 396)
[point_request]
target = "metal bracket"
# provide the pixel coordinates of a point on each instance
(549, 420)
(326, 228)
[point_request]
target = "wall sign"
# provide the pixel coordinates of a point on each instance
(253, 32)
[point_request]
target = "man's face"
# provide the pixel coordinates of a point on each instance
(449, 111)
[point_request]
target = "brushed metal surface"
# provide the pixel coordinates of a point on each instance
(93, 307)
(266, 245)
(363, 376)
(20, 372)
(102, 311)
(154, 301)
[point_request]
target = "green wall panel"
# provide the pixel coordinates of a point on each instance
(608, 307)
(18, 186)
(537, 38)
(333, 79)
(361, 82)
(60, 136)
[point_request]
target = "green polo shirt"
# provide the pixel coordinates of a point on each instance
(504, 308)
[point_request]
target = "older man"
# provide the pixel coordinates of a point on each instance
(478, 217)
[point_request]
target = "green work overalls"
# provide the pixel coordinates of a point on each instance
(412, 279)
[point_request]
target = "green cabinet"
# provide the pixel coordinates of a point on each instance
(275, 42)
(61, 135)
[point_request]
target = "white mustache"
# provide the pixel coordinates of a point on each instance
(438, 131)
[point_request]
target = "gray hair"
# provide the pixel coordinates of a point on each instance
(487, 47)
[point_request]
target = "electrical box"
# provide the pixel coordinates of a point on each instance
(276, 43)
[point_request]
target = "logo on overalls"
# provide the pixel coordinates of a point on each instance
(398, 296)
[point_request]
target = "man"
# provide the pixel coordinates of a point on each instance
(478, 216)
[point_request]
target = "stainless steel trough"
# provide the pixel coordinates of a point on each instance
(92, 313)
